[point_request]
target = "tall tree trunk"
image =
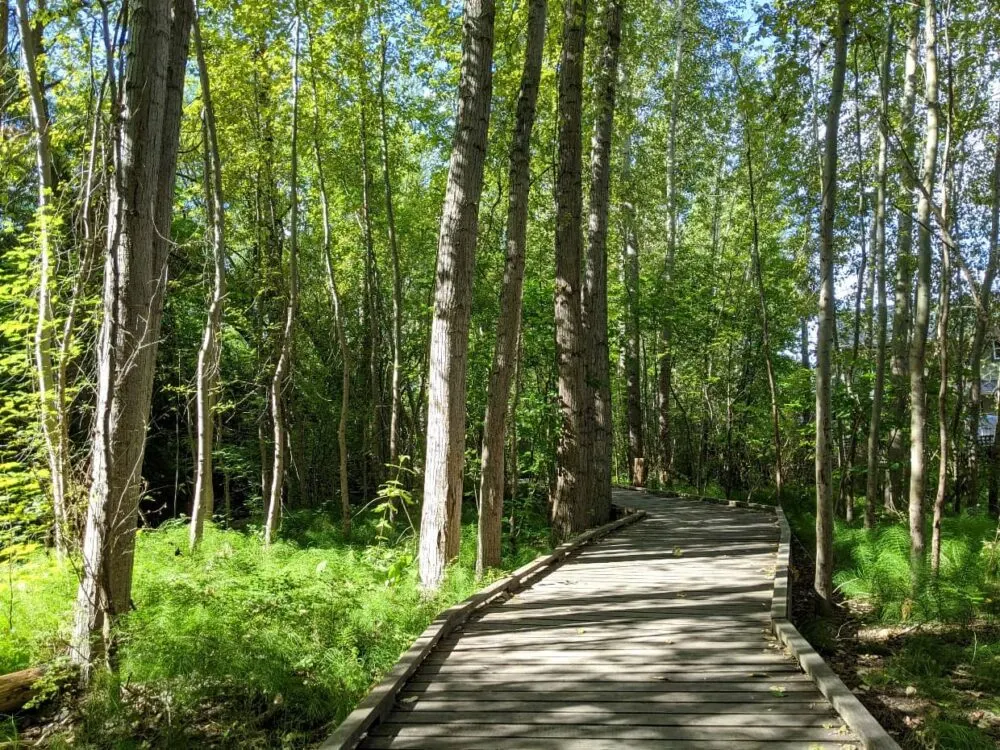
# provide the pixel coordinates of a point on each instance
(666, 364)
(631, 343)
(440, 523)
(335, 303)
(847, 478)
(878, 388)
(981, 327)
(207, 377)
(135, 276)
(569, 504)
(52, 418)
(397, 283)
(594, 299)
(509, 325)
(282, 370)
(772, 385)
(373, 320)
(921, 313)
(824, 463)
(901, 319)
(944, 311)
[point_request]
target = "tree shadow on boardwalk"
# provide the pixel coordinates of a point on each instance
(656, 637)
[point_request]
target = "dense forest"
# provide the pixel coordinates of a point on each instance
(318, 314)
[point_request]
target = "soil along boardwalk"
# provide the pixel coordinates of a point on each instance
(656, 636)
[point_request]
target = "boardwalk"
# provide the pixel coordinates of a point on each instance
(656, 636)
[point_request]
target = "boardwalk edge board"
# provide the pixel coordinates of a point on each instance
(872, 734)
(381, 699)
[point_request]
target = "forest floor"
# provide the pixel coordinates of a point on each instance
(235, 645)
(926, 666)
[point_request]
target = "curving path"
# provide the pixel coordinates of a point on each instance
(655, 637)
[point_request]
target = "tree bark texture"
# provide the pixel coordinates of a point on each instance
(440, 523)
(135, 274)
(491, 493)
(902, 319)
(827, 320)
(569, 504)
(594, 307)
(922, 306)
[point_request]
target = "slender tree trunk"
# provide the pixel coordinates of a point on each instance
(569, 504)
(765, 329)
(878, 388)
(373, 322)
(981, 327)
(509, 325)
(5, 75)
(824, 463)
(847, 479)
(631, 343)
(901, 320)
(594, 307)
(440, 524)
(993, 488)
(135, 276)
(397, 283)
(944, 311)
(921, 316)
(282, 370)
(207, 377)
(666, 364)
(336, 305)
(51, 418)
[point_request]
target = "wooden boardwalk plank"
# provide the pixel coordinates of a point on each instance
(658, 636)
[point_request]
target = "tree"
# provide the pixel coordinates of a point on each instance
(569, 502)
(901, 319)
(921, 315)
(51, 401)
(282, 369)
(824, 340)
(878, 388)
(758, 271)
(336, 304)
(443, 473)
(594, 297)
(135, 274)
(631, 350)
(666, 363)
(207, 377)
(397, 282)
(505, 352)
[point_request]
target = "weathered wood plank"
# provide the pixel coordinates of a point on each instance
(577, 743)
(579, 730)
(605, 717)
(656, 636)
(509, 706)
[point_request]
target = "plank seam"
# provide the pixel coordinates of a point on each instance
(381, 699)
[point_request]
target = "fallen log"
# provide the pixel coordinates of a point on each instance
(17, 688)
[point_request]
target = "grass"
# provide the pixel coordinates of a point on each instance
(238, 645)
